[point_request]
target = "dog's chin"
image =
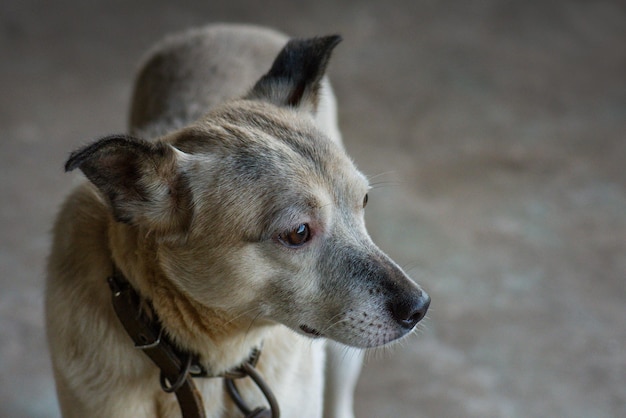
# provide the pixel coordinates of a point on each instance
(365, 340)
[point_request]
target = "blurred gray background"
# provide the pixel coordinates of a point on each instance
(494, 133)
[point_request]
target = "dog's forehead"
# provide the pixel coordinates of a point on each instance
(254, 141)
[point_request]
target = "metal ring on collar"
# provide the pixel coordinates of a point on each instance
(232, 390)
(179, 381)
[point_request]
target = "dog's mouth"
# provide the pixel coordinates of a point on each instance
(310, 331)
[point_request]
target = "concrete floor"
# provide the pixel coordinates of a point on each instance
(494, 131)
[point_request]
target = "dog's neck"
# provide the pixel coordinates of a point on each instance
(221, 340)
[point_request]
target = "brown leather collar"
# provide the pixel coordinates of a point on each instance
(178, 367)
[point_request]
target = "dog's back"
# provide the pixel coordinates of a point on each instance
(187, 74)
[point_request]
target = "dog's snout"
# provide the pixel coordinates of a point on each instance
(409, 311)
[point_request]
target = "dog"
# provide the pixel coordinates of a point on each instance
(234, 212)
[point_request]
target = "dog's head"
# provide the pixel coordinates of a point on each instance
(257, 212)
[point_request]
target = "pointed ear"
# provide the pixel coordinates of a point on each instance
(294, 79)
(142, 181)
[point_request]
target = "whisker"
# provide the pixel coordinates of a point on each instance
(244, 313)
(372, 177)
(381, 184)
(251, 323)
(332, 322)
(410, 265)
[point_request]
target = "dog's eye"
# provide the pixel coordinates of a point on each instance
(296, 237)
(365, 199)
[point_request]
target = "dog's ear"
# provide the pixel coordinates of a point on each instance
(295, 77)
(142, 181)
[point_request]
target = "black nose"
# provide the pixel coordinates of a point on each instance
(409, 311)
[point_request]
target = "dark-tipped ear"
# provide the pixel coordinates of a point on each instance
(294, 79)
(141, 180)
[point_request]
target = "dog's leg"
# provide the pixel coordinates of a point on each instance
(343, 366)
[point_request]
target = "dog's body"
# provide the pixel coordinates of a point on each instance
(241, 225)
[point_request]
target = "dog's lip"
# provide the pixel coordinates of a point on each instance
(310, 331)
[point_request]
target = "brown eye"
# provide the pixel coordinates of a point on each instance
(365, 199)
(296, 237)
